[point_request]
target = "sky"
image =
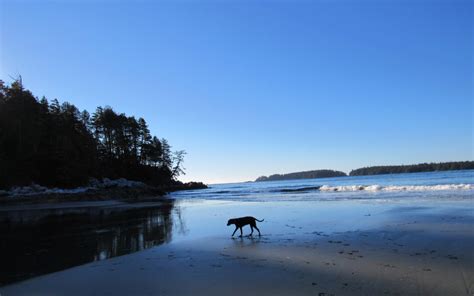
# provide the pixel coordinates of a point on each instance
(251, 88)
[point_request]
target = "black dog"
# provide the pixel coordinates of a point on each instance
(241, 222)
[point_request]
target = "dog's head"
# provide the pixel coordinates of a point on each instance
(231, 221)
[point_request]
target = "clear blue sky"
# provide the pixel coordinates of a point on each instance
(251, 88)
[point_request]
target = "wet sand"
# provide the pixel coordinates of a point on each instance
(307, 248)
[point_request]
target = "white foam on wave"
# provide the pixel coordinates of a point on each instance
(375, 188)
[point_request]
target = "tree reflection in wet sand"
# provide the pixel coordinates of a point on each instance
(35, 242)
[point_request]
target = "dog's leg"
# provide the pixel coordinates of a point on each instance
(258, 230)
(251, 228)
(234, 230)
(241, 232)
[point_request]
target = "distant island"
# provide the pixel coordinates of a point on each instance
(302, 175)
(46, 145)
(414, 168)
(374, 170)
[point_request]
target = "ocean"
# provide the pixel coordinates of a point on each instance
(445, 185)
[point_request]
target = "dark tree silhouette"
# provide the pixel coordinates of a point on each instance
(55, 144)
(414, 168)
(178, 159)
(302, 175)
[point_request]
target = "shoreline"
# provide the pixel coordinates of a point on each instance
(144, 193)
(345, 248)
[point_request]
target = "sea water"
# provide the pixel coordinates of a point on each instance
(450, 185)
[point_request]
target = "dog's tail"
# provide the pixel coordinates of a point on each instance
(259, 220)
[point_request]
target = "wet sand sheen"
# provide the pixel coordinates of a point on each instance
(307, 249)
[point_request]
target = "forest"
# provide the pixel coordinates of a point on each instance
(56, 145)
(414, 168)
(302, 175)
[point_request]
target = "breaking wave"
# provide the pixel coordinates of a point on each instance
(392, 188)
(302, 189)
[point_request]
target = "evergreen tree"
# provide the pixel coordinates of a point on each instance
(55, 144)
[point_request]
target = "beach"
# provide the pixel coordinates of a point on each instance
(138, 138)
(306, 248)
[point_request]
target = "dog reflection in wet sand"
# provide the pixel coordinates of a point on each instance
(241, 222)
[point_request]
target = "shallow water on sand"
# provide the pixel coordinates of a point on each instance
(43, 241)
(38, 240)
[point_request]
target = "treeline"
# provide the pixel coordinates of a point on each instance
(57, 145)
(414, 168)
(302, 175)
(374, 170)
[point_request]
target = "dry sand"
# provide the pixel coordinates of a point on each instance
(374, 250)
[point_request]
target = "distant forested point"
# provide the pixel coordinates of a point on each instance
(57, 145)
(414, 168)
(302, 175)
